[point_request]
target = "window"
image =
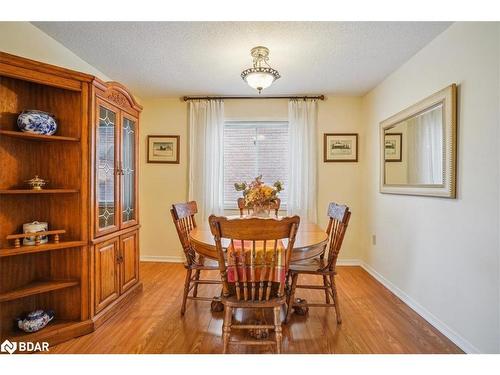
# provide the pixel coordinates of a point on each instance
(252, 149)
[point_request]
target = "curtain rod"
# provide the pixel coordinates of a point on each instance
(186, 98)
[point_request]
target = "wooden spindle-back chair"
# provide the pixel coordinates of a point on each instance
(274, 205)
(253, 269)
(337, 225)
(184, 221)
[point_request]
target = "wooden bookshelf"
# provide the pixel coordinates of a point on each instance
(37, 137)
(54, 325)
(53, 275)
(37, 287)
(58, 330)
(11, 251)
(94, 268)
(43, 191)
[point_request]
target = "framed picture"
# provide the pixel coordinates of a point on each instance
(340, 147)
(163, 149)
(393, 146)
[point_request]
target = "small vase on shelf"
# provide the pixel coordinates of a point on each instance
(35, 320)
(37, 122)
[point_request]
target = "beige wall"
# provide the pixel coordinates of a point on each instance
(443, 254)
(161, 184)
(24, 39)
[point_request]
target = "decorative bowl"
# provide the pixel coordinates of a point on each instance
(33, 228)
(37, 122)
(35, 320)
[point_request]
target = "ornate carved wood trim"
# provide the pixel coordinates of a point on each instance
(117, 94)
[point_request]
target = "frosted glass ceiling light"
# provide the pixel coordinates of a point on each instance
(261, 76)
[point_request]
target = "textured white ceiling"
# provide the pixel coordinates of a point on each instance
(195, 58)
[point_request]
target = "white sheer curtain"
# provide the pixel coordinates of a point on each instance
(425, 148)
(206, 134)
(303, 159)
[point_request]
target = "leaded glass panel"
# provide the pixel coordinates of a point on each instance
(106, 168)
(128, 160)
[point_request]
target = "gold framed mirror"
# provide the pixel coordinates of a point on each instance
(418, 148)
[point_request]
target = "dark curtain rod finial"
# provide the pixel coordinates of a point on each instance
(187, 98)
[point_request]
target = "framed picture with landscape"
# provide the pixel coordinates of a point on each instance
(340, 147)
(163, 149)
(393, 146)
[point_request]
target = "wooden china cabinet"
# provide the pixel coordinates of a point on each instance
(91, 164)
(114, 222)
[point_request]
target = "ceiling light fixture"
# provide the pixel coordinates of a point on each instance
(261, 76)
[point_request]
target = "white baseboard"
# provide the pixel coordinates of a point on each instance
(163, 259)
(458, 340)
(348, 262)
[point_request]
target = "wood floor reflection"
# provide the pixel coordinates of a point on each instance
(374, 321)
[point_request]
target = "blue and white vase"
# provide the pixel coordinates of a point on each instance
(37, 122)
(35, 320)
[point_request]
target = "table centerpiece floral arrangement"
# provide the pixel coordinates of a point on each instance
(258, 195)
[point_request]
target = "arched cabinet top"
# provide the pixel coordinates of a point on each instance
(117, 94)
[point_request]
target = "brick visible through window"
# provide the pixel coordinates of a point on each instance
(252, 149)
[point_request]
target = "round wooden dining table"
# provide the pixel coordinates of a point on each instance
(309, 242)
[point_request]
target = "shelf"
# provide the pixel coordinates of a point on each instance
(55, 327)
(43, 191)
(37, 287)
(11, 251)
(37, 137)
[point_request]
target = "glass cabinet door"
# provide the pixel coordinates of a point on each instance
(128, 171)
(106, 171)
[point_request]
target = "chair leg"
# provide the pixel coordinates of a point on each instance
(226, 327)
(187, 284)
(327, 293)
(277, 328)
(291, 297)
(196, 277)
(335, 299)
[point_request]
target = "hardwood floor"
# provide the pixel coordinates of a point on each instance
(374, 321)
